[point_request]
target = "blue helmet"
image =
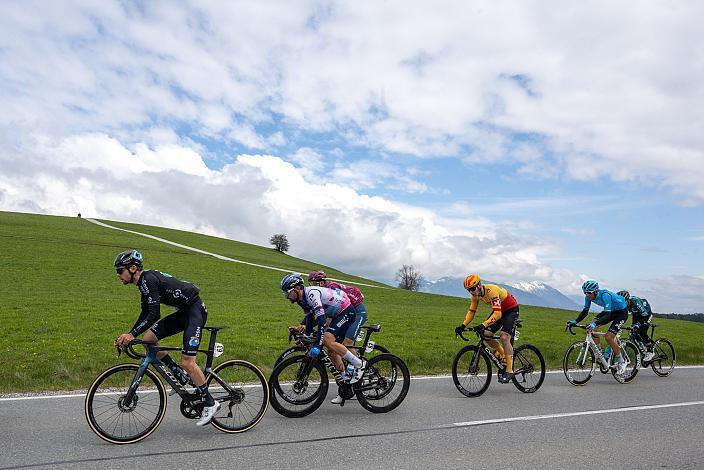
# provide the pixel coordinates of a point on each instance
(128, 258)
(290, 281)
(590, 285)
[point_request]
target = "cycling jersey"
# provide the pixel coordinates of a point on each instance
(320, 303)
(160, 288)
(639, 308)
(495, 296)
(611, 302)
(355, 295)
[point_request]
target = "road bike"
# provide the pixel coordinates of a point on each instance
(298, 385)
(127, 402)
(301, 349)
(582, 357)
(663, 361)
(471, 366)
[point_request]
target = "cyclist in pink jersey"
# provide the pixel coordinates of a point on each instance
(332, 312)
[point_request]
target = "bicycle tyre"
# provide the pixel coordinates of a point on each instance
(661, 348)
(588, 367)
(285, 387)
(117, 380)
(467, 356)
(378, 381)
(248, 382)
(524, 366)
(631, 351)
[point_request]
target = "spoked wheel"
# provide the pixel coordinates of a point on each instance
(115, 419)
(297, 388)
(528, 367)
(384, 384)
(243, 393)
(632, 357)
(471, 371)
(578, 363)
(663, 363)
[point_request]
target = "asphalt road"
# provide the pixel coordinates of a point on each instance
(651, 423)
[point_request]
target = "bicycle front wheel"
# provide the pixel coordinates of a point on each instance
(114, 419)
(663, 363)
(243, 393)
(297, 389)
(471, 371)
(384, 384)
(528, 367)
(632, 357)
(578, 363)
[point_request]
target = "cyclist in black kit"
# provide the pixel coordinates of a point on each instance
(160, 288)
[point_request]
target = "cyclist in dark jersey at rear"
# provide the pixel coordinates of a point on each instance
(160, 288)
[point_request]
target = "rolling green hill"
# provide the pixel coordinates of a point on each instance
(62, 304)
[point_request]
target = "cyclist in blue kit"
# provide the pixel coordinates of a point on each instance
(615, 311)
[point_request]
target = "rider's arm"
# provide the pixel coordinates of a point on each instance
(472, 311)
(495, 312)
(585, 310)
(150, 308)
(321, 329)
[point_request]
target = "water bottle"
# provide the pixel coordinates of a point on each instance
(607, 352)
(180, 374)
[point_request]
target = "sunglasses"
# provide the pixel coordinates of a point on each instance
(119, 270)
(286, 292)
(472, 289)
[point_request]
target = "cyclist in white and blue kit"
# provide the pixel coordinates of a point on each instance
(615, 311)
(332, 312)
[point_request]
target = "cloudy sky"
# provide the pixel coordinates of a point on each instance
(526, 141)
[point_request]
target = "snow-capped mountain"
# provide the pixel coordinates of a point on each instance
(527, 293)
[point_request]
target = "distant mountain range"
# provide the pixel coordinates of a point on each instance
(527, 293)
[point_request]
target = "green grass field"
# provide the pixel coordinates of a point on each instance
(62, 304)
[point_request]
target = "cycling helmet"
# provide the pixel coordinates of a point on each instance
(590, 285)
(317, 276)
(624, 294)
(471, 281)
(128, 258)
(290, 281)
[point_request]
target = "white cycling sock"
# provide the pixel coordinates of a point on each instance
(352, 359)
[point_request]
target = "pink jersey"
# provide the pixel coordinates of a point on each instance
(355, 295)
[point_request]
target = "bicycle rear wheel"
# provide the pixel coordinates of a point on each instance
(243, 393)
(663, 363)
(384, 384)
(578, 363)
(632, 356)
(528, 367)
(112, 418)
(295, 393)
(471, 371)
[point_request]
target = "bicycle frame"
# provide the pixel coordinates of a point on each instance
(591, 344)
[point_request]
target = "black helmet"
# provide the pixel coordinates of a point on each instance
(624, 294)
(290, 281)
(128, 258)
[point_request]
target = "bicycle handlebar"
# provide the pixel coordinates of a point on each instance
(129, 349)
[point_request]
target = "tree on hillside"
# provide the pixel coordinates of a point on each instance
(408, 278)
(280, 242)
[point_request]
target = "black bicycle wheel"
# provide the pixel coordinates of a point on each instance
(632, 357)
(116, 421)
(578, 363)
(528, 367)
(384, 384)
(471, 371)
(294, 394)
(663, 363)
(243, 393)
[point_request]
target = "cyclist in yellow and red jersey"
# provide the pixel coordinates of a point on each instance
(504, 313)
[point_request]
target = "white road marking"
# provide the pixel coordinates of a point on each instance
(418, 377)
(575, 413)
(220, 257)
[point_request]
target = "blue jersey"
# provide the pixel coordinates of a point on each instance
(607, 299)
